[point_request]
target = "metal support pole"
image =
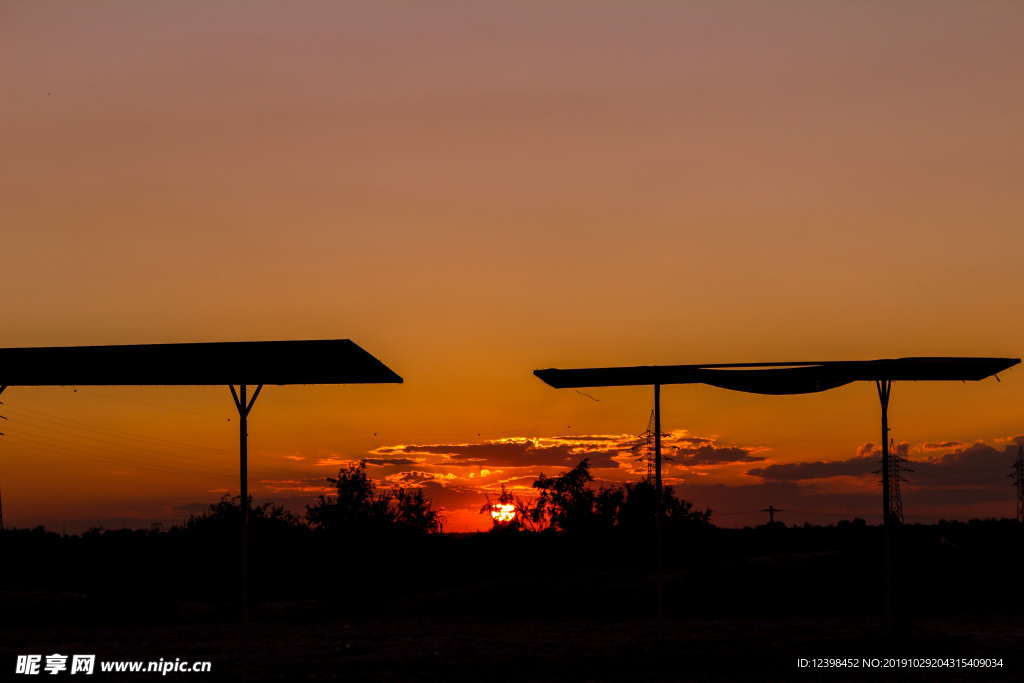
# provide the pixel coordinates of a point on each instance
(1018, 480)
(659, 510)
(2, 387)
(884, 388)
(244, 406)
(243, 486)
(657, 438)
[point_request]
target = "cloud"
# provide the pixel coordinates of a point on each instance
(940, 445)
(976, 465)
(414, 477)
(693, 440)
(714, 455)
(799, 471)
(964, 475)
(452, 496)
(513, 453)
(867, 461)
(335, 461)
(381, 462)
(411, 477)
(518, 482)
(312, 485)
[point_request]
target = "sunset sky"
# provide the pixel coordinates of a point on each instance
(473, 190)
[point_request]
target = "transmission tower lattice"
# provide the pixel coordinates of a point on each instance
(1017, 474)
(896, 469)
(644, 447)
(897, 466)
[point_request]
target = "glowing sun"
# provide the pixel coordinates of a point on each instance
(503, 513)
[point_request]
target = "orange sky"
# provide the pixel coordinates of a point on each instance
(471, 191)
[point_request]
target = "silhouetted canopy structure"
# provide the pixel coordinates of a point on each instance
(315, 361)
(781, 378)
(318, 361)
(801, 377)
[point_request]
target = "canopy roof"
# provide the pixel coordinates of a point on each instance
(799, 377)
(319, 361)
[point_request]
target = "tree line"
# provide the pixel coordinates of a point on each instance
(566, 503)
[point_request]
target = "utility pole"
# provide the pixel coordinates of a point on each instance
(771, 510)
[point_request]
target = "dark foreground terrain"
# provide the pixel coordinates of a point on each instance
(740, 604)
(283, 644)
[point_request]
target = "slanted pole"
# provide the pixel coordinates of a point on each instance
(659, 510)
(884, 388)
(244, 405)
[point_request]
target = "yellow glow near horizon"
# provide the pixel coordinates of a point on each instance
(503, 513)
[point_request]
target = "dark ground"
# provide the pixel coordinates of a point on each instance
(742, 605)
(531, 649)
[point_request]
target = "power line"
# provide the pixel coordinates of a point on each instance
(43, 442)
(73, 433)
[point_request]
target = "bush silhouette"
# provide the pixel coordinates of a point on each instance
(359, 508)
(567, 503)
(224, 517)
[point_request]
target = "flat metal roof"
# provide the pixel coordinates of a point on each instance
(798, 377)
(316, 361)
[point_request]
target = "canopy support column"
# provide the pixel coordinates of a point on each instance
(884, 388)
(244, 406)
(2, 387)
(659, 511)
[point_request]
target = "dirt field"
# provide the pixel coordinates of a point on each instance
(283, 644)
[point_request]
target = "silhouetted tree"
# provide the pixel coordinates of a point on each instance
(520, 510)
(413, 513)
(568, 503)
(639, 505)
(565, 502)
(225, 517)
(359, 508)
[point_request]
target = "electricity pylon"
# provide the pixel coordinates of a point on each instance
(896, 470)
(771, 510)
(1017, 474)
